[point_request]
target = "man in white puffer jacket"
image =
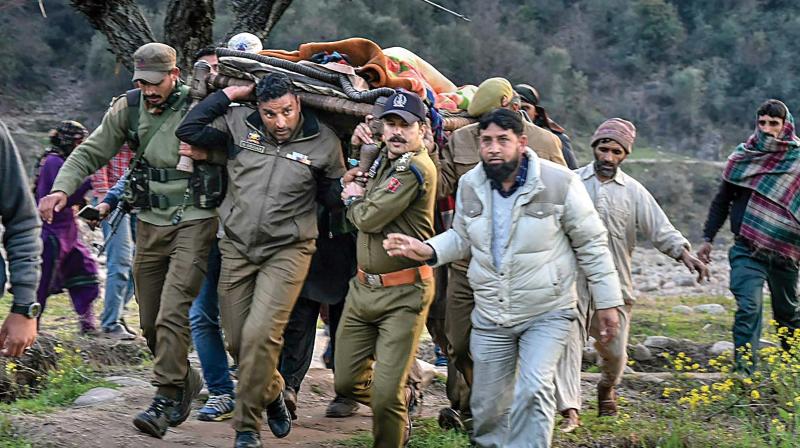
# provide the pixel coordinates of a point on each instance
(529, 225)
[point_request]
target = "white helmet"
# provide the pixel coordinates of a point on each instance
(245, 42)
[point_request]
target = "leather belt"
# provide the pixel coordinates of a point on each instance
(405, 277)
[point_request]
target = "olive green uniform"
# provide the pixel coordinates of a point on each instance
(383, 324)
(170, 263)
(270, 221)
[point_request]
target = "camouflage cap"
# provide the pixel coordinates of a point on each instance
(151, 62)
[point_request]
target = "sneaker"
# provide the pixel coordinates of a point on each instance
(191, 389)
(154, 420)
(441, 358)
(290, 398)
(341, 407)
(278, 418)
(217, 408)
(119, 333)
(127, 328)
(248, 439)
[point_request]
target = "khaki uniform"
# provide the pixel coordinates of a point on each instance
(270, 221)
(170, 263)
(461, 155)
(382, 324)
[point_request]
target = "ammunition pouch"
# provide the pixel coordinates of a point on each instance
(209, 183)
(137, 191)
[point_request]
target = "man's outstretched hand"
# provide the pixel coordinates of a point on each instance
(399, 245)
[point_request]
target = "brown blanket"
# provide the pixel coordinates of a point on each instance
(364, 54)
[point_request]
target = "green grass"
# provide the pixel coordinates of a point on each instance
(69, 380)
(654, 317)
(9, 438)
(426, 434)
(59, 317)
(648, 422)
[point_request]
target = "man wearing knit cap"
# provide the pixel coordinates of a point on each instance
(626, 208)
(461, 154)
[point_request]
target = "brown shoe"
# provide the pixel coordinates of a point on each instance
(571, 420)
(290, 398)
(606, 401)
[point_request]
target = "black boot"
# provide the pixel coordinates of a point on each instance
(192, 386)
(278, 418)
(154, 420)
(248, 439)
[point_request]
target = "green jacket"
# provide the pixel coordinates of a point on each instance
(273, 188)
(161, 152)
(400, 198)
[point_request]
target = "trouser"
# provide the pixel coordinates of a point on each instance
(206, 330)
(169, 269)
(256, 301)
(612, 359)
(513, 396)
(299, 337)
(71, 268)
(458, 325)
(749, 271)
(119, 275)
(381, 325)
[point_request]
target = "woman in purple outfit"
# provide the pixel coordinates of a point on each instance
(66, 261)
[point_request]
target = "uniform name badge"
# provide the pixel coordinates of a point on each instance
(253, 143)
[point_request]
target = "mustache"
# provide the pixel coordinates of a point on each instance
(152, 97)
(398, 139)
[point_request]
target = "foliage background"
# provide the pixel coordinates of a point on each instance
(687, 75)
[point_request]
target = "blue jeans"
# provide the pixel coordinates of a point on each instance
(749, 271)
(119, 277)
(206, 331)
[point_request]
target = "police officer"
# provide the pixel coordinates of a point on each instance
(281, 161)
(388, 301)
(173, 235)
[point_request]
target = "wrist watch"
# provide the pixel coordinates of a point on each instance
(31, 311)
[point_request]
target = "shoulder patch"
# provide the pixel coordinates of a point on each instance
(393, 185)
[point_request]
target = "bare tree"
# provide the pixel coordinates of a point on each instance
(188, 24)
(257, 16)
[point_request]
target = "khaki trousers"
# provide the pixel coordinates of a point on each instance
(256, 301)
(169, 269)
(612, 359)
(458, 326)
(380, 325)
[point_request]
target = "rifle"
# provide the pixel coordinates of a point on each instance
(114, 220)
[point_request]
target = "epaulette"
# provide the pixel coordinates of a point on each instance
(403, 162)
(115, 99)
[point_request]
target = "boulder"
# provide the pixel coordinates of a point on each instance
(641, 353)
(661, 342)
(720, 347)
(96, 396)
(710, 308)
(682, 309)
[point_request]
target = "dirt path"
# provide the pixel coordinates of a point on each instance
(109, 425)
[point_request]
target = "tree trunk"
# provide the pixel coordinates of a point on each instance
(188, 24)
(122, 22)
(187, 28)
(256, 16)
